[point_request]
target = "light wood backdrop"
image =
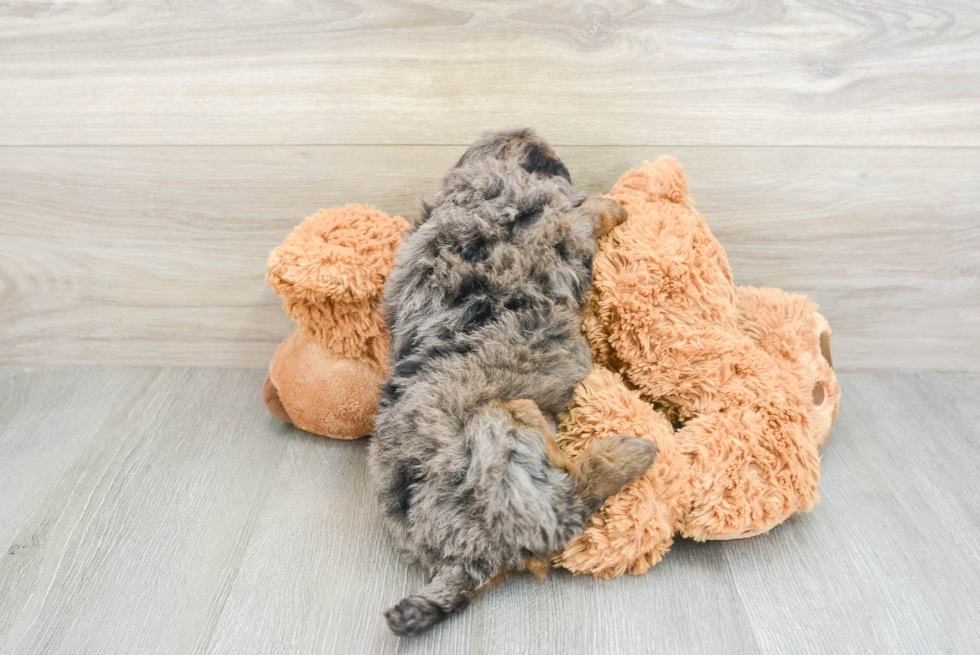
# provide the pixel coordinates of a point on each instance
(151, 153)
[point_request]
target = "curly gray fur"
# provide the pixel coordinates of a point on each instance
(484, 304)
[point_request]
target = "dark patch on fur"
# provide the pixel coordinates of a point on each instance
(472, 284)
(389, 394)
(477, 313)
(475, 250)
(587, 265)
(408, 344)
(535, 161)
(408, 367)
(517, 303)
(405, 478)
(561, 249)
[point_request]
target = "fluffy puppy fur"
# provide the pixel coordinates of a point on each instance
(484, 305)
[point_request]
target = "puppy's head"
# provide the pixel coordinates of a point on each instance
(523, 146)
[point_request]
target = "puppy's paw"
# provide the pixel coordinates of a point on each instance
(608, 212)
(610, 463)
(412, 616)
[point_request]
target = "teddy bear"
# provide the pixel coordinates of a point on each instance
(734, 384)
(325, 377)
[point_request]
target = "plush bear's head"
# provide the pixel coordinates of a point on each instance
(330, 272)
(734, 384)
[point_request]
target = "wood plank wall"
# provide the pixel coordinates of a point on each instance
(151, 153)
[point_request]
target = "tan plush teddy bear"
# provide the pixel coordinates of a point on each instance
(734, 384)
(325, 376)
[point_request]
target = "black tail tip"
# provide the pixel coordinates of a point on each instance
(413, 616)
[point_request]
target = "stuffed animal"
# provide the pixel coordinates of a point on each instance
(325, 377)
(734, 384)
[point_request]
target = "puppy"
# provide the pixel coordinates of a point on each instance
(484, 304)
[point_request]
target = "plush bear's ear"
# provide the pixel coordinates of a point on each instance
(663, 178)
(330, 272)
(336, 255)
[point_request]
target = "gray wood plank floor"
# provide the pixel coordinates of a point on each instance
(147, 510)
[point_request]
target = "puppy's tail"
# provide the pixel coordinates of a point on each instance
(450, 591)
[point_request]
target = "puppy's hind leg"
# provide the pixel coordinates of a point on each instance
(450, 591)
(604, 213)
(603, 469)
(608, 464)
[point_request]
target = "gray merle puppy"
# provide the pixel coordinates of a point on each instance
(484, 304)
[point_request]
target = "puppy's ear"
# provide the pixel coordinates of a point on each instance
(425, 210)
(537, 160)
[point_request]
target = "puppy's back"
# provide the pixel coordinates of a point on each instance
(484, 306)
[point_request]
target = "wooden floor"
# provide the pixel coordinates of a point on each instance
(152, 152)
(149, 510)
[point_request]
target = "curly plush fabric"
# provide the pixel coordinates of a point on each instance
(634, 528)
(744, 372)
(325, 377)
(330, 272)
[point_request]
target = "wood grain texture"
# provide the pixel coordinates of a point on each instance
(131, 545)
(183, 519)
(743, 72)
(157, 255)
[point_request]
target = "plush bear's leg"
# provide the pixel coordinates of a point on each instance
(751, 466)
(634, 528)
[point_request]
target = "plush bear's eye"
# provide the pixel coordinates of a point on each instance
(819, 394)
